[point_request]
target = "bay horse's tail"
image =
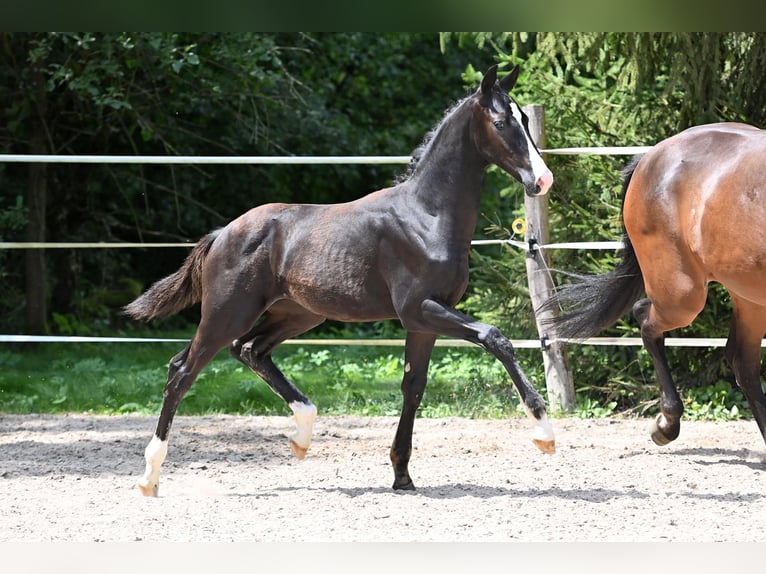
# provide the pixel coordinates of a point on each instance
(175, 292)
(592, 303)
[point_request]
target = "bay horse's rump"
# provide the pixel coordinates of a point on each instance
(694, 212)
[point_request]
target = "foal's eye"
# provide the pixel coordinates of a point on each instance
(499, 124)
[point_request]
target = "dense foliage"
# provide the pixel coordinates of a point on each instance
(189, 94)
(335, 94)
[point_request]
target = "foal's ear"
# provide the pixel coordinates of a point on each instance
(509, 81)
(487, 83)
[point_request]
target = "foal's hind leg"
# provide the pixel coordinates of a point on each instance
(417, 355)
(438, 318)
(182, 373)
(221, 323)
(283, 321)
(743, 351)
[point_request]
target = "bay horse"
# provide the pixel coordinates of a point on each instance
(398, 253)
(694, 211)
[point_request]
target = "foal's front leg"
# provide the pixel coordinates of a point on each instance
(447, 321)
(417, 355)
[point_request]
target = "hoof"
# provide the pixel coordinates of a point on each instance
(148, 489)
(661, 436)
(548, 446)
(408, 485)
(298, 451)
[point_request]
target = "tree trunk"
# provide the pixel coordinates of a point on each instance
(36, 199)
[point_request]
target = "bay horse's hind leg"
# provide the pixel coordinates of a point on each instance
(743, 351)
(667, 425)
(655, 320)
(283, 321)
(417, 355)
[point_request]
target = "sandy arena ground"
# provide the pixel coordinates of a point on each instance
(72, 478)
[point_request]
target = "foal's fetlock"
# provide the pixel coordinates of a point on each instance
(305, 415)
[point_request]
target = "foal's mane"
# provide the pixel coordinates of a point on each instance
(423, 148)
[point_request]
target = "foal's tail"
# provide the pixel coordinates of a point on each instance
(593, 303)
(175, 292)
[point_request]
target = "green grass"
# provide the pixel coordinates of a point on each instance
(121, 378)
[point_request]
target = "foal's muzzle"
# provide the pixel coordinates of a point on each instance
(541, 185)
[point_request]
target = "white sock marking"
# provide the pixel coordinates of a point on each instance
(543, 429)
(155, 454)
(305, 415)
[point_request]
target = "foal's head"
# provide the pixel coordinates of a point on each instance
(501, 133)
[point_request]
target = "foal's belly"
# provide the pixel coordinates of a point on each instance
(344, 306)
(341, 290)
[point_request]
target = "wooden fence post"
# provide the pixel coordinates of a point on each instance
(558, 377)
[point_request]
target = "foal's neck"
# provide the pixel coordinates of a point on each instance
(449, 176)
(451, 167)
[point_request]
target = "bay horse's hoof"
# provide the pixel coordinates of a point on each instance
(148, 489)
(298, 451)
(662, 436)
(548, 446)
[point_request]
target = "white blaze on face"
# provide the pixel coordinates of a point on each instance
(543, 175)
(305, 415)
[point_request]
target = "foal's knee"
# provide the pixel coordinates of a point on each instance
(497, 343)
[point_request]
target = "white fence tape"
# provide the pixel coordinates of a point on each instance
(103, 245)
(518, 343)
(244, 160)
(276, 159)
(209, 160)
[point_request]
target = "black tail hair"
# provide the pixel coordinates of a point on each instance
(592, 303)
